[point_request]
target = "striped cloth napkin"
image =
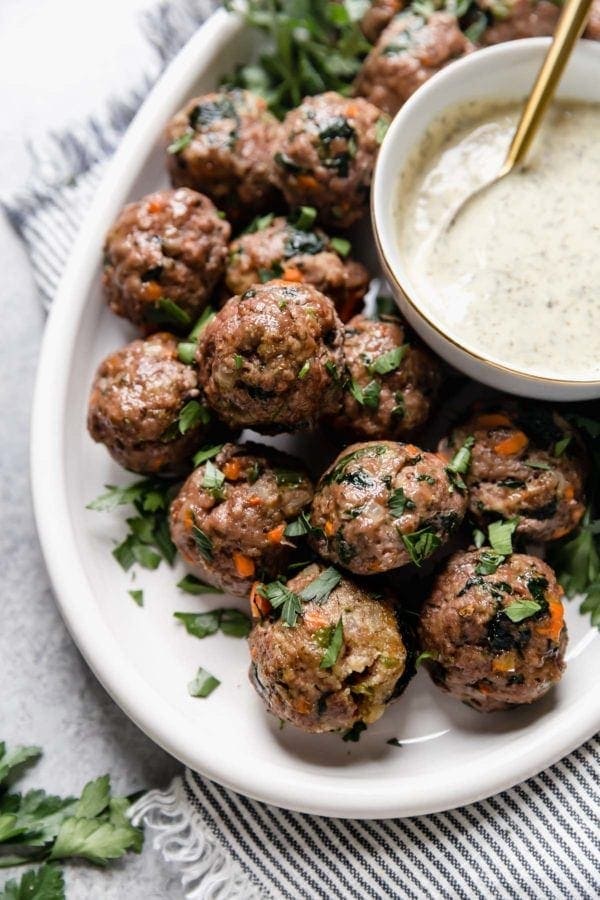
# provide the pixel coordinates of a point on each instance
(538, 840)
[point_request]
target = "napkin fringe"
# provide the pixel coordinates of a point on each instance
(207, 871)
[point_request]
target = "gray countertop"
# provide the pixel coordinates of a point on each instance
(49, 696)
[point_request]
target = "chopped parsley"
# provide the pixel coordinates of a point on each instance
(203, 684)
(259, 223)
(478, 538)
(381, 128)
(341, 246)
(367, 396)
(213, 480)
(167, 312)
(354, 733)
(192, 415)
(337, 472)
(398, 503)
(238, 361)
(207, 452)
(280, 597)
(460, 462)
(334, 646)
(148, 539)
(425, 654)
(538, 465)
(288, 477)
(304, 370)
(519, 610)
(489, 561)
(180, 143)
(229, 621)
(421, 544)
(203, 542)
(298, 527)
(192, 585)
(186, 350)
(389, 361)
(137, 597)
(561, 445)
(319, 590)
(303, 218)
(500, 535)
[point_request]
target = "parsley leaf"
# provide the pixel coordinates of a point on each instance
(137, 597)
(460, 462)
(399, 502)
(213, 480)
(336, 474)
(319, 590)
(425, 654)
(421, 544)
(192, 585)
(97, 841)
(180, 143)
(167, 312)
(45, 883)
(519, 610)
(298, 527)
(230, 621)
(203, 542)
(561, 446)
(478, 538)
(207, 452)
(489, 562)
(500, 535)
(94, 798)
(367, 396)
(203, 684)
(191, 415)
(388, 362)
(341, 246)
(304, 370)
(280, 597)
(12, 762)
(336, 642)
(354, 733)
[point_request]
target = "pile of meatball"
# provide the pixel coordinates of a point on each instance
(242, 284)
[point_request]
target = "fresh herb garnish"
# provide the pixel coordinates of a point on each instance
(304, 370)
(421, 544)
(336, 642)
(367, 396)
(561, 446)
(337, 472)
(203, 542)
(280, 597)
(238, 361)
(425, 654)
(45, 883)
(478, 538)
(148, 539)
(460, 462)
(381, 128)
(288, 477)
(298, 527)
(213, 480)
(205, 453)
(203, 684)
(319, 590)
(230, 621)
(137, 597)
(354, 733)
(519, 610)
(500, 535)
(191, 415)
(538, 465)
(489, 562)
(192, 585)
(399, 502)
(388, 361)
(303, 218)
(341, 246)
(180, 143)
(36, 826)
(167, 312)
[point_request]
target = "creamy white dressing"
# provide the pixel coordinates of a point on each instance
(517, 277)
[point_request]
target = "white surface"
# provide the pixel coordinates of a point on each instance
(58, 60)
(145, 659)
(503, 72)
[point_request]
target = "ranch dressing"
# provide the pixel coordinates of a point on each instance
(516, 279)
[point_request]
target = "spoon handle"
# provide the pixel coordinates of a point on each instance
(568, 30)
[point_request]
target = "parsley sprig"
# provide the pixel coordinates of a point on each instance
(35, 826)
(148, 540)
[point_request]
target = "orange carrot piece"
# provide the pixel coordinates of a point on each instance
(492, 420)
(153, 290)
(308, 181)
(155, 206)
(275, 535)
(351, 109)
(254, 500)
(569, 493)
(188, 519)
(314, 619)
(553, 628)
(292, 273)
(232, 469)
(329, 529)
(259, 605)
(244, 566)
(506, 662)
(512, 445)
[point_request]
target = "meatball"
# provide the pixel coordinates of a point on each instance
(513, 19)
(279, 249)
(382, 505)
(169, 248)
(297, 671)
(270, 359)
(494, 640)
(392, 384)
(379, 14)
(146, 407)
(526, 462)
(327, 154)
(223, 144)
(229, 519)
(592, 30)
(410, 50)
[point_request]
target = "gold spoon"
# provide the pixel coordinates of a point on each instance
(568, 31)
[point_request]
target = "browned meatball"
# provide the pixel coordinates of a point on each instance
(279, 249)
(291, 671)
(327, 153)
(270, 359)
(409, 51)
(592, 31)
(223, 144)
(170, 247)
(392, 384)
(146, 407)
(379, 14)
(526, 462)
(382, 505)
(228, 520)
(513, 19)
(494, 640)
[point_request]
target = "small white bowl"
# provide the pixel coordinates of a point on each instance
(504, 72)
